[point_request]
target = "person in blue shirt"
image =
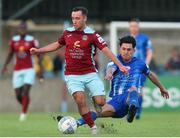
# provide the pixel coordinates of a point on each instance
(124, 87)
(143, 51)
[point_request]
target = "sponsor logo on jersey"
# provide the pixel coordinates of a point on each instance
(21, 48)
(21, 52)
(77, 44)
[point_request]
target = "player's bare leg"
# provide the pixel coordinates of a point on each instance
(19, 94)
(98, 102)
(25, 101)
(107, 111)
(80, 100)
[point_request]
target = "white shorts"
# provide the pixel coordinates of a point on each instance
(91, 81)
(24, 76)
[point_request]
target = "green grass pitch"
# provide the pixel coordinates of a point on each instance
(153, 124)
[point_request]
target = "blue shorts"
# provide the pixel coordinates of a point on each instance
(143, 80)
(120, 105)
(91, 81)
(24, 76)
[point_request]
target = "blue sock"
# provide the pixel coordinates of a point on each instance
(133, 98)
(140, 99)
(81, 121)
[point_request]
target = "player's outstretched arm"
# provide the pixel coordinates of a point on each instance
(109, 54)
(152, 76)
(48, 48)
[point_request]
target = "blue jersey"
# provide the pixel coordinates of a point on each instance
(142, 44)
(122, 82)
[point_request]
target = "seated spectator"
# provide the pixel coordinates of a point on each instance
(174, 61)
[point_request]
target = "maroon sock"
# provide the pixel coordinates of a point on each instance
(88, 119)
(25, 103)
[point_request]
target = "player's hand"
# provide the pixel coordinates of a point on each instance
(109, 76)
(164, 93)
(34, 51)
(124, 69)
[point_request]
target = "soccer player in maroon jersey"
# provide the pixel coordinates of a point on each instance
(80, 43)
(24, 73)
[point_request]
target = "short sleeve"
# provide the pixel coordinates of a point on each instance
(61, 39)
(148, 44)
(99, 41)
(146, 70)
(112, 65)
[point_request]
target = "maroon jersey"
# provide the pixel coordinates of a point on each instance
(80, 50)
(21, 46)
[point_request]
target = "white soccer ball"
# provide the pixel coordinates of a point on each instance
(67, 125)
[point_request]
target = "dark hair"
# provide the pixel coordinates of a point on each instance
(82, 9)
(127, 39)
(134, 20)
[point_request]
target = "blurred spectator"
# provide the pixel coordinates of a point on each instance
(59, 61)
(153, 66)
(174, 61)
(58, 65)
(47, 64)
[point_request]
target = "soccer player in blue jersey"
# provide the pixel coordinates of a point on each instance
(143, 51)
(124, 87)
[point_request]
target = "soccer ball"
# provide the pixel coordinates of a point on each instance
(67, 125)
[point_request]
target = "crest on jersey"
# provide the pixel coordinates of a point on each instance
(84, 37)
